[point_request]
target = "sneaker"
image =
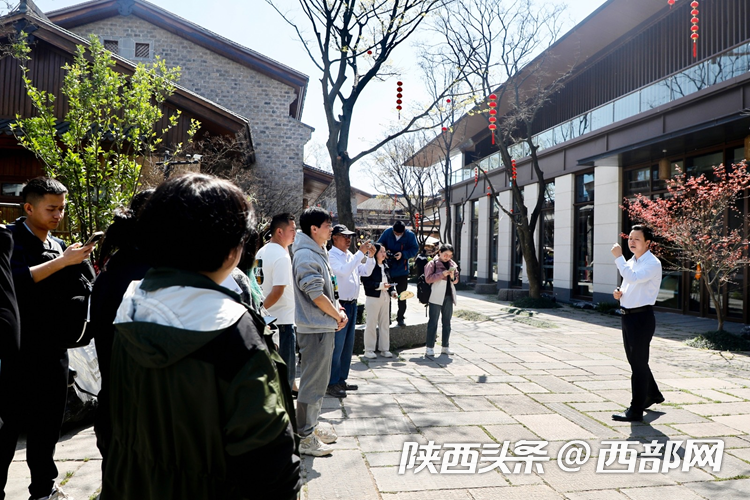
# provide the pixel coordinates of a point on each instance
(429, 352)
(386, 354)
(311, 445)
(325, 435)
(350, 387)
(56, 494)
(370, 355)
(335, 391)
(447, 350)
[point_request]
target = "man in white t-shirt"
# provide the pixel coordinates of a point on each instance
(274, 274)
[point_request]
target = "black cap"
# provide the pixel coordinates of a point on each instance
(341, 229)
(399, 227)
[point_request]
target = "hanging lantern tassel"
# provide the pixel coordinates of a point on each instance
(698, 272)
(493, 116)
(694, 28)
(399, 95)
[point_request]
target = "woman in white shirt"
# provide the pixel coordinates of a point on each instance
(378, 292)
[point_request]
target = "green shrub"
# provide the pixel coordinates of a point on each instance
(541, 303)
(607, 307)
(719, 341)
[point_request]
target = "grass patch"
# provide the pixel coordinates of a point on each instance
(96, 494)
(541, 303)
(537, 323)
(719, 341)
(470, 315)
(68, 475)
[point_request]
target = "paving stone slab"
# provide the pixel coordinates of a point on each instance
(706, 430)
(464, 434)
(740, 393)
(739, 422)
(373, 426)
(525, 492)
(610, 406)
(698, 383)
(424, 386)
(741, 453)
(394, 442)
(385, 459)
(448, 419)
(519, 405)
(477, 389)
(596, 495)
(737, 489)
(389, 480)
(357, 483)
(715, 409)
(474, 403)
(430, 403)
(587, 479)
(429, 495)
(530, 388)
(574, 397)
(677, 492)
(86, 480)
(554, 427)
(602, 385)
(720, 397)
(582, 420)
(511, 433)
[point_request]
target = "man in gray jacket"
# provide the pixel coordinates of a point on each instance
(318, 315)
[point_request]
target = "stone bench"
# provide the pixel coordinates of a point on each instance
(511, 294)
(402, 337)
(485, 288)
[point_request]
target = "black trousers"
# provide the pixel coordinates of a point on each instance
(40, 397)
(401, 283)
(637, 332)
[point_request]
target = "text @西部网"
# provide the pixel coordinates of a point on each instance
(615, 457)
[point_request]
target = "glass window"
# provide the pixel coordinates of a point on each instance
(12, 189)
(655, 95)
(474, 239)
(547, 259)
(704, 164)
(549, 195)
(494, 226)
(637, 181)
(627, 106)
(583, 285)
(585, 188)
(458, 224)
(670, 291)
(516, 264)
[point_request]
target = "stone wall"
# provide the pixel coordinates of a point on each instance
(278, 138)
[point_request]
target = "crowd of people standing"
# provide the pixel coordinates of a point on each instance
(197, 337)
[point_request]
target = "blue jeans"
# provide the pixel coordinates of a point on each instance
(344, 346)
(287, 350)
(436, 310)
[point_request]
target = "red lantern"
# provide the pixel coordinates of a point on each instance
(671, 3)
(399, 95)
(445, 129)
(489, 191)
(476, 175)
(492, 104)
(694, 27)
(369, 52)
(448, 101)
(513, 172)
(416, 220)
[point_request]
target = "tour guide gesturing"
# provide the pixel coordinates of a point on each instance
(641, 280)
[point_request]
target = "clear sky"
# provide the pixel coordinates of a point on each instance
(254, 24)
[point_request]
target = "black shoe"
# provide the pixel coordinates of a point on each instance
(628, 416)
(653, 401)
(349, 387)
(336, 391)
(401, 322)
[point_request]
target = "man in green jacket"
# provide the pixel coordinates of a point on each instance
(199, 404)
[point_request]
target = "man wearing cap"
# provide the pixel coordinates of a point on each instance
(403, 245)
(347, 267)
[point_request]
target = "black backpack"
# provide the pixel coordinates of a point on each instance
(423, 290)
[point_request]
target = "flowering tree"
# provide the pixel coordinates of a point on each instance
(699, 226)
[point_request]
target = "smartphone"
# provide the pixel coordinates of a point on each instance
(94, 238)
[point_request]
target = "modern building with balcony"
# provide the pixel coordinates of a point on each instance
(636, 103)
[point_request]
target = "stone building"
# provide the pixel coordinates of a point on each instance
(269, 94)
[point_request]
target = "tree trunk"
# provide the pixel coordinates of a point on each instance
(528, 250)
(341, 165)
(715, 297)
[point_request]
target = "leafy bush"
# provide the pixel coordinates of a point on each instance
(719, 341)
(541, 303)
(607, 307)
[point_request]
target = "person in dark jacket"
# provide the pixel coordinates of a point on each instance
(199, 403)
(402, 244)
(40, 265)
(378, 292)
(10, 343)
(121, 262)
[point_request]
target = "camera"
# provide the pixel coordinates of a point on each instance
(389, 254)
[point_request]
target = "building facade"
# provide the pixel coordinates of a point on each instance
(637, 103)
(269, 94)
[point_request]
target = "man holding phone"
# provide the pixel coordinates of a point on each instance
(347, 267)
(37, 261)
(403, 245)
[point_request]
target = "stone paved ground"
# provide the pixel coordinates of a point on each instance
(557, 376)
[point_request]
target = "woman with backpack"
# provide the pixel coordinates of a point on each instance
(441, 273)
(378, 289)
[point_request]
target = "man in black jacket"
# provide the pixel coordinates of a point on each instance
(37, 261)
